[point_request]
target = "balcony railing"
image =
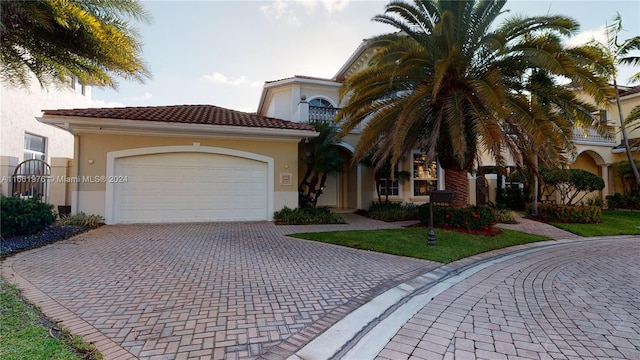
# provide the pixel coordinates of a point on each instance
(591, 135)
(322, 114)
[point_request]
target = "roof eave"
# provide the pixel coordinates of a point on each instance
(77, 125)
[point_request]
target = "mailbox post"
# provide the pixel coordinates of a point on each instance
(440, 197)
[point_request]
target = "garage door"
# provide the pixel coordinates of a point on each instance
(189, 187)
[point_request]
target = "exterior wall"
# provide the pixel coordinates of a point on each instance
(19, 108)
(91, 160)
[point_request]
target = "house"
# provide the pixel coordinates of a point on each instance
(205, 163)
(23, 137)
(180, 163)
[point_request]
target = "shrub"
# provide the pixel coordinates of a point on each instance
(628, 200)
(504, 216)
(572, 184)
(470, 217)
(82, 219)
(388, 211)
(24, 216)
(581, 214)
(305, 216)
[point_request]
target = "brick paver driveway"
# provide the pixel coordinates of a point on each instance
(221, 290)
(575, 301)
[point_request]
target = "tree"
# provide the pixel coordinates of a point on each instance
(452, 84)
(322, 159)
(92, 40)
(572, 185)
(620, 52)
(384, 174)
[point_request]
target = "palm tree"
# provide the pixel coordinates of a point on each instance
(92, 40)
(621, 53)
(322, 159)
(452, 83)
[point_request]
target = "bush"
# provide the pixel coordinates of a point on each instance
(24, 216)
(389, 211)
(581, 214)
(470, 217)
(305, 216)
(627, 200)
(82, 219)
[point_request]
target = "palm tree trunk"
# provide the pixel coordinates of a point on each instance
(456, 179)
(623, 130)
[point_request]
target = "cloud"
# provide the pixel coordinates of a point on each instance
(146, 96)
(288, 10)
(583, 37)
(218, 78)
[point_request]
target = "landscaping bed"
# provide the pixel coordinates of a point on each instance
(48, 235)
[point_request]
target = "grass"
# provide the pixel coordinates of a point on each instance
(24, 337)
(412, 242)
(612, 223)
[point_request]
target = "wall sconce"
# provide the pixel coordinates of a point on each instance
(90, 161)
(286, 166)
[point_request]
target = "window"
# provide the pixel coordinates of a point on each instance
(424, 174)
(34, 147)
(394, 189)
(319, 102)
(394, 185)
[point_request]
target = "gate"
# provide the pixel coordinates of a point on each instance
(31, 179)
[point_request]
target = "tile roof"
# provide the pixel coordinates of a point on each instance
(632, 142)
(186, 114)
(630, 90)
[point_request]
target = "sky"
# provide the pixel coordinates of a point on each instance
(222, 52)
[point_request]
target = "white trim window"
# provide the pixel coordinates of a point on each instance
(34, 147)
(424, 174)
(394, 185)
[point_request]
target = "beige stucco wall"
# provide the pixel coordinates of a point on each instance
(91, 161)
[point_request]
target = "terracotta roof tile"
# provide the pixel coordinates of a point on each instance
(186, 114)
(630, 90)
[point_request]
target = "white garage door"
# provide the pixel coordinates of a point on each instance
(189, 187)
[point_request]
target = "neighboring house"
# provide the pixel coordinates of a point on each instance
(186, 163)
(205, 163)
(22, 137)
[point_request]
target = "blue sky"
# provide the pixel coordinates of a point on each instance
(222, 52)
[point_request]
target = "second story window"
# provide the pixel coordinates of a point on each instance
(321, 110)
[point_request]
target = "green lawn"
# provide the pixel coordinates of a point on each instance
(412, 242)
(613, 223)
(22, 336)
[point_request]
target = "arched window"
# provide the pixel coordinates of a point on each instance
(321, 110)
(320, 102)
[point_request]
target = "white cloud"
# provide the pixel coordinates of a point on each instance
(288, 10)
(584, 37)
(146, 96)
(218, 78)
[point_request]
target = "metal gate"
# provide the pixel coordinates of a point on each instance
(31, 179)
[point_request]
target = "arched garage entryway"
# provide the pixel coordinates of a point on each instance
(188, 184)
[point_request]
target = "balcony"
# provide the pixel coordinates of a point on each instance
(322, 114)
(590, 135)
